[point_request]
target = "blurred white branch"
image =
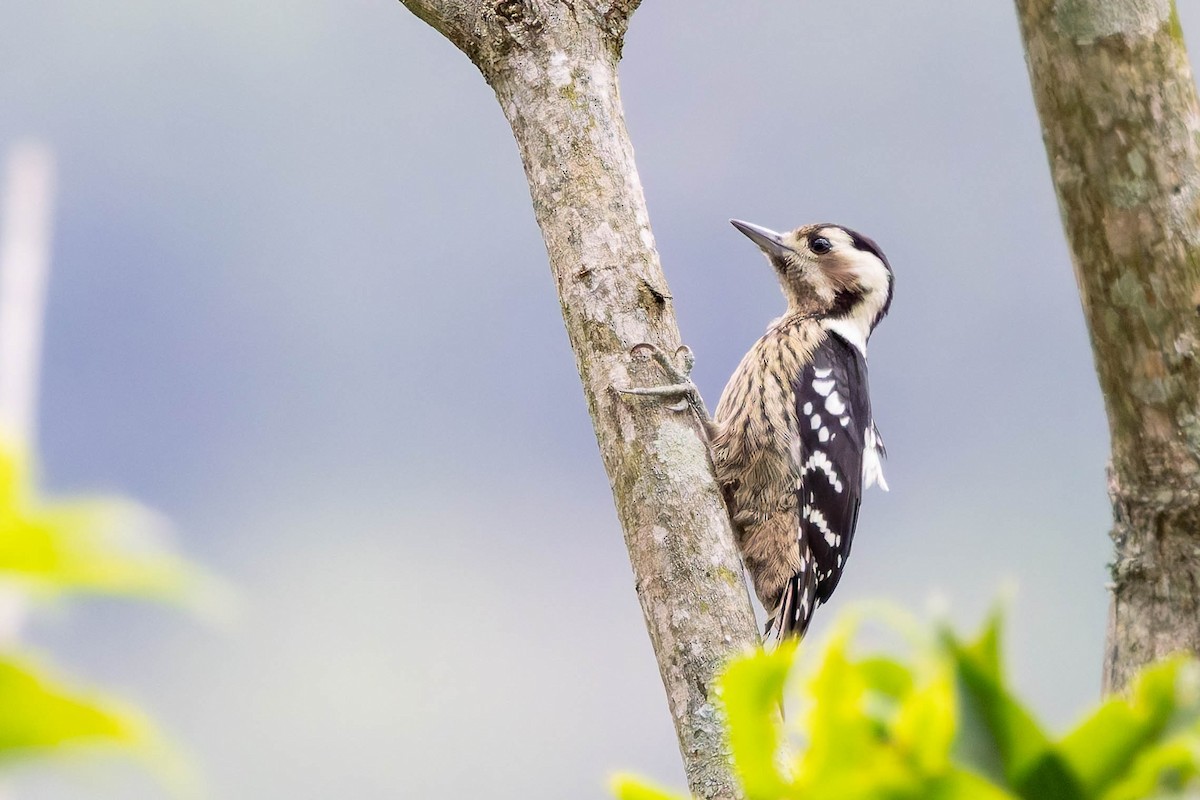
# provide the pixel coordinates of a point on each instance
(24, 263)
(13, 607)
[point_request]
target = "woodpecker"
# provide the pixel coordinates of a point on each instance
(793, 440)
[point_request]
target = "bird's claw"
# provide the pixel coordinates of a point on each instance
(679, 374)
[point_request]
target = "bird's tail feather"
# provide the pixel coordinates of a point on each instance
(796, 605)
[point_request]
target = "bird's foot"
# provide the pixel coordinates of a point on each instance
(678, 369)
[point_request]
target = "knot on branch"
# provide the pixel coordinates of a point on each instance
(616, 18)
(515, 24)
(517, 17)
(1156, 531)
(511, 11)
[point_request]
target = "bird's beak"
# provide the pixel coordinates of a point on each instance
(767, 239)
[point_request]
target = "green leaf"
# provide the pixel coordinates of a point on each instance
(1161, 700)
(942, 724)
(997, 731)
(925, 725)
(88, 545)
(45, 717)
(985, 650)
(751, 694)
(868, 724)
(842, 733)
(887, 676)
(1105, 744)
(1048, 776)
(81, 545)
(1168, 770)
(41, 715)
(961, 784)
(628, 787)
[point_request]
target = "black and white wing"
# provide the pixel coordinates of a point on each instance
(836, 437)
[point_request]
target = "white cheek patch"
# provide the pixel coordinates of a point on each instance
(875, 283)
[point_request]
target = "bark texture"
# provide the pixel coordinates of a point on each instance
(1122, 130)
(553, 66)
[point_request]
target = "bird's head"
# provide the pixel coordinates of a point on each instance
(828, 271)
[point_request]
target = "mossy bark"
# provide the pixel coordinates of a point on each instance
(1121, 125)
(553, 66)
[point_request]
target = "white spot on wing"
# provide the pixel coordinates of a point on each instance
(808, 408)
(823, 435)
(834, 404)
(823, 372)
(816, 421)
(818, 461)
(822, 387)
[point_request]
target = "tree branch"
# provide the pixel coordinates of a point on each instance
(553, 68)
(25, 227)
(1120, 121)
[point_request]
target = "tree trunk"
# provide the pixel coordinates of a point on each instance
(1121, 125)
(553, 66)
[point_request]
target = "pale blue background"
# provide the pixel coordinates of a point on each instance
(299, 304)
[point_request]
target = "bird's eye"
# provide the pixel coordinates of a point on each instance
(820, 245)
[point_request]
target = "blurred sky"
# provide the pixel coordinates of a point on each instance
(300, 305)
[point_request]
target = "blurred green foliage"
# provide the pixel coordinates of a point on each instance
(940, 721)
(83, 545)
(50, 549)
